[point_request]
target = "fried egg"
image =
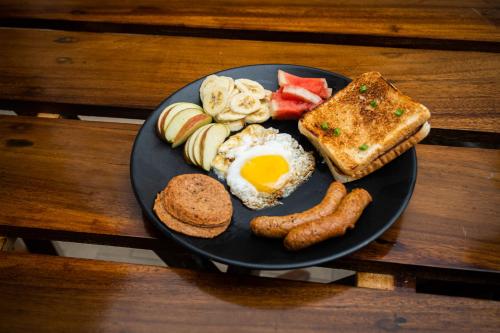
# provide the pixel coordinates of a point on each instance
(262, 165)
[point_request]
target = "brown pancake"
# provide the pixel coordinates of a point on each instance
(198, 200)
(182, 227)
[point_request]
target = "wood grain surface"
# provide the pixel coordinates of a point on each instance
(73, 295)
(137, 71)
(473, 20)
(66, 179)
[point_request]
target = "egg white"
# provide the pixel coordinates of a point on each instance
(268, 142)
(239, 184)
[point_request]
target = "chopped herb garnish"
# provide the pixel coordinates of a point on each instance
(363, 88)
(336, 131)
(373, 103)
(324, 126)
(364, 146)
(399, 112)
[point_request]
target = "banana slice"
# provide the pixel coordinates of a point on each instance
(251, 87)
(228, 115)
(268, 95)
(259, 116)
(209, 80)
(215, 99)
(244, 103)
(229, 81)
(233, 93)
(235, 126)
(212, 81)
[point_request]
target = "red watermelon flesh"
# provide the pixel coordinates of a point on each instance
(318, 86)
(282, 108)
(300, 93)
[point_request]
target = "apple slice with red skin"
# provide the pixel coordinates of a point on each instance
(188, 147)
(160, 124)
(178, 121)
(210, 143)
(169, 112)
(197, 148)
(191, 125)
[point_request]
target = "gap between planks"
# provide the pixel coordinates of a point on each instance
(257, 35)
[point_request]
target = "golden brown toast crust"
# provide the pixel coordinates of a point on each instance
(377, 163)
(360, 123)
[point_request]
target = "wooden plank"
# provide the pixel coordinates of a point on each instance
(473, 20)
(74, 295)
(74, 185)
(134, 71)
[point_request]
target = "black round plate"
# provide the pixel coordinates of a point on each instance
(154, 163)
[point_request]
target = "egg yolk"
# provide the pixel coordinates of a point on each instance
(264, 171)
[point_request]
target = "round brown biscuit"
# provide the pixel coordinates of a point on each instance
(162, 196)
(184, 228)
(198, 200)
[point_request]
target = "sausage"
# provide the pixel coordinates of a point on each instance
(279, 226)
(335, 224)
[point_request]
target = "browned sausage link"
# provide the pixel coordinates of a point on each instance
(279, 226)
(346, 215)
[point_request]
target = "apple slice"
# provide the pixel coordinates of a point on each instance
(196, 149)
(211, 141)
(188, 147)
(160, 124)
(191, 125)
(178, 121)
(178, 107)
(185, 152)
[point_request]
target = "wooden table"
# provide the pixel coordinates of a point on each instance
(67, 179)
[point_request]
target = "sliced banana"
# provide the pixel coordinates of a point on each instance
(235, 126)
(233, 93)
(228, 115)
(209, 80)
(215, 99)
(251, 87)
(212, 81)
(229, 81)
(268, 95)
(259, 116)
(244, 103)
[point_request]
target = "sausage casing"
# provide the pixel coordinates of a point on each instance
(348, 212)
(279, 226)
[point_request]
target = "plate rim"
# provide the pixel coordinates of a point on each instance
(168, 233)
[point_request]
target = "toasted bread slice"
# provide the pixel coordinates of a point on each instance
(377, 163)
(370, 123)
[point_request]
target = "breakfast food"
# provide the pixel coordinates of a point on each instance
(262, 165)
(360, 129)
(234, 102)
(348, 212)
(279, 226)
(196, 205)
(202, 146)
(179, 120)
(181, 227)
(297, 95)
(365, 126)
(317, 86)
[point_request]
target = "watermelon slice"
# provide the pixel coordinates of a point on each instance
(282, 108)
(318, 86)
(300, 93)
